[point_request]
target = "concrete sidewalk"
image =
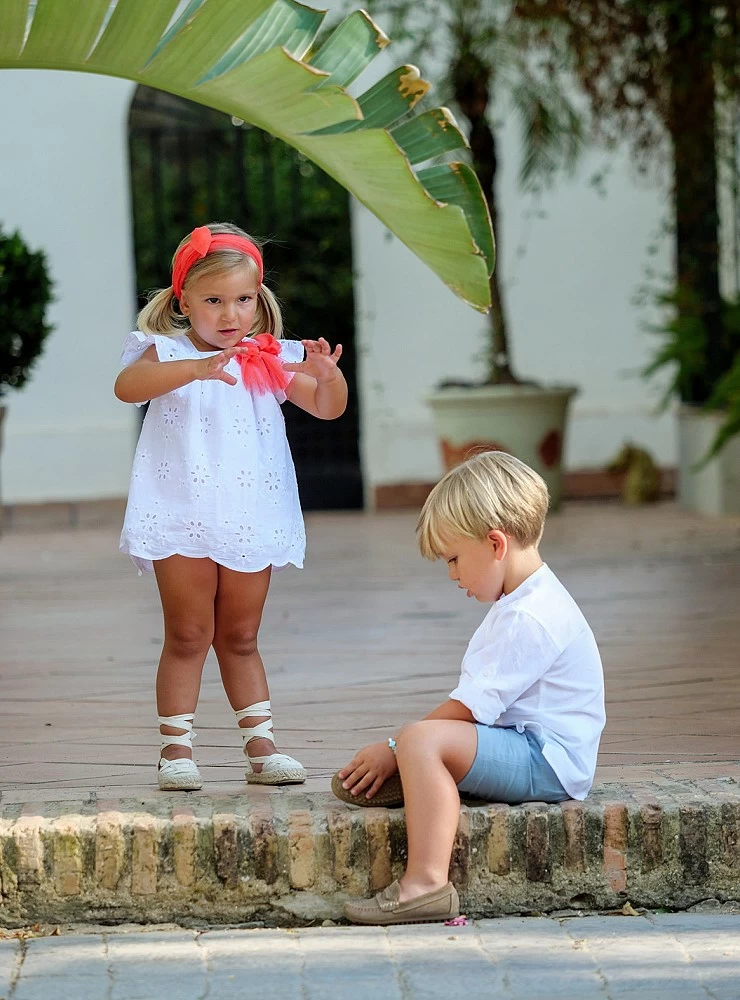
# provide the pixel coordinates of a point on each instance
(687, 956)
(367, 637)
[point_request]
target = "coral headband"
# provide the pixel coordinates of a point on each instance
(202, 242)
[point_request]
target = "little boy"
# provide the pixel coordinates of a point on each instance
(523, 723)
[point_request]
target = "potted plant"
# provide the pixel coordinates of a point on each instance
(480, 45)
(25, 293)
(706, 379)
(665, 75)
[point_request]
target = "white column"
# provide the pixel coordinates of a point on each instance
(64, 184)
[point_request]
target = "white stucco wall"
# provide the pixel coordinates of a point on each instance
(571, 312)
(64, 185)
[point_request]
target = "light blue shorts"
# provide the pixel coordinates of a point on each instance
(509, 766)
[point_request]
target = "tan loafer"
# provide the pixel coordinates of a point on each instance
(390, 793)
(384, 908)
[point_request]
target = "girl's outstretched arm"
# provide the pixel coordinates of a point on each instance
(148, 378)
(318, 386)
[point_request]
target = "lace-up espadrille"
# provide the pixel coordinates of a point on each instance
(181, 775)
(389, 795)
(277, 768)
(384, 908)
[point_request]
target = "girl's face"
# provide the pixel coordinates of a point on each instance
(477, 565)
(221, 307)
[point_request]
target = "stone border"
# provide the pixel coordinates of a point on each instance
(578, 484)
(293, 859)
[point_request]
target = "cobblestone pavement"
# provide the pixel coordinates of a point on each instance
(686, 956)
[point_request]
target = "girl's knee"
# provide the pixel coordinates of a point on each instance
(188, 638)
(237, 640)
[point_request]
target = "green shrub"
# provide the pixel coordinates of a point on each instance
(25, 293)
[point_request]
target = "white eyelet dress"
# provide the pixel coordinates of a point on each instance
(213, 475)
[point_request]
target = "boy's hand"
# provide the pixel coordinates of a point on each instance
(320, 363)
(368, 769)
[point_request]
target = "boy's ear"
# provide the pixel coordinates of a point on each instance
(499, 543)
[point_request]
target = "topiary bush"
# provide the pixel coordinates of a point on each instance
(25, 293)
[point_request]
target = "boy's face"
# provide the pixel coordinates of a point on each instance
(477, 566)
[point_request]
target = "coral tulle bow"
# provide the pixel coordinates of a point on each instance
(262, 370)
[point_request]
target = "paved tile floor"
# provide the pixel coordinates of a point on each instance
(366, 637)
(656, 957)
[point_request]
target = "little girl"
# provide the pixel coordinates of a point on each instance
(213, 503)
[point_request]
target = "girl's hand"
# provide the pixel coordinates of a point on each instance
(320, 363)
(368, 769)
(213, 367)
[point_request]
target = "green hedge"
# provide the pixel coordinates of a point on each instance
(25, 294)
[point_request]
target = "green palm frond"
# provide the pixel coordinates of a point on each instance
(552, 133)
(255, 60)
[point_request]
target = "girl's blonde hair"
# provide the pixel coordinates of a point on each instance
(491, 490)
(159, 315)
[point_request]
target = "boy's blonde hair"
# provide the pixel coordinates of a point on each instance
(491, 490)
(159, 315)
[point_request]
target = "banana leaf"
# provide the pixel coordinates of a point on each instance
(259, 60)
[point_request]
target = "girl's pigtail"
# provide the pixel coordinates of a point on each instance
(268, 317)
(159, 314)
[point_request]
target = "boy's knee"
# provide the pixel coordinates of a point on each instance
(415, 737)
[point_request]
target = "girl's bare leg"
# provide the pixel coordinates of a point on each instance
(187, 588)
(433, 756)
(240, 600)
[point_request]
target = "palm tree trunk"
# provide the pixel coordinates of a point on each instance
(692, 127)
(471, 80)
(499, 360)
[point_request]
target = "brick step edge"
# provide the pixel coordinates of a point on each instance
(291, 859)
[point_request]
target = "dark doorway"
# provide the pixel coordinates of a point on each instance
(191, 165)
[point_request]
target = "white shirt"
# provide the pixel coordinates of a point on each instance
(213, 475)
(533, 663)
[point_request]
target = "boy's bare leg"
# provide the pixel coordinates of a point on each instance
(433, 755)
